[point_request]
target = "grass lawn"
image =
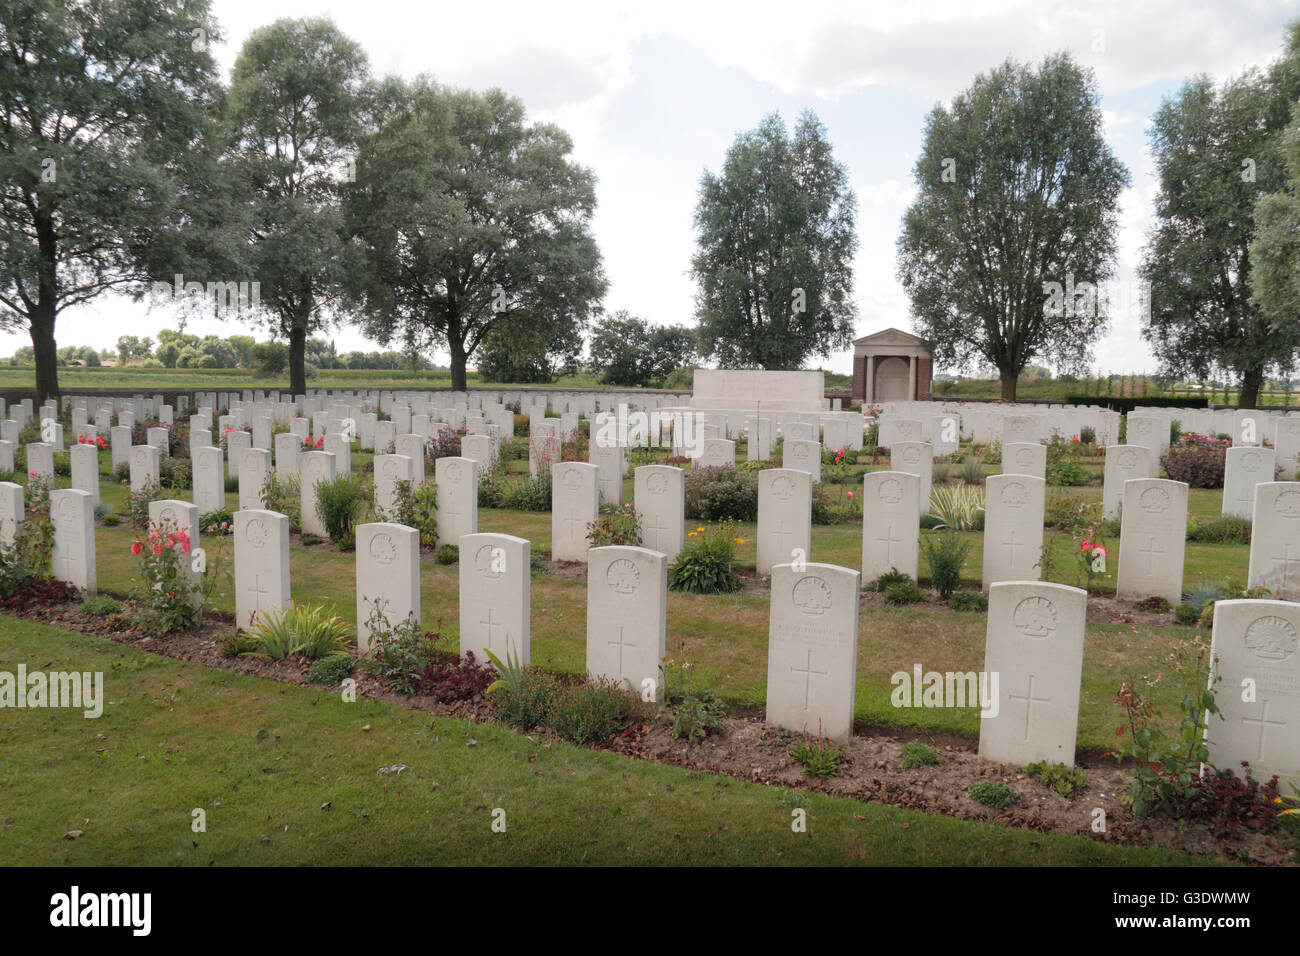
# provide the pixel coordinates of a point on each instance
(289, 775)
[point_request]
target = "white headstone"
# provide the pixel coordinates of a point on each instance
(802, 455)
(288, 446)
(388, 576)
(12, 512)
(1274, 533)
(85, 470)
(659, 496)
(608, 459)
(1123, 463)
(1255, 674)
(812, 649)
(254, 469)
(261, 541)
(1153, 532)
(627, 602)
(1034, 650)
(412, 446)
(457, 499)
(144, 466)
(389, 471)
(40, 459)
(784, 517)
(575, 503)
(495, 587)
(179, 516)
(73, 558)
(1024, 458)
(209, 480)
(1013, 528)
(915, 458)
(890, 524)
(719, 453)
(1244, 468)
(314, 467)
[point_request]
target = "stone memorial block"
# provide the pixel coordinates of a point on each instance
(412, 446)
(385, 432)
(1246, 466)
(1013, 528)
(173, 516)
(85, 470)
(627, 616)
(73, 559)
(784, 517)
(1254, 656)
(1152, 535)
(199, 438)
(891, 526)
(804, 456)
(7, 449)
(608, 459)
(144, 466)
(480, 450)
(209, 479)
(659, 497)
(915, 458)
(254, 469)
(301, 427)
(338, 446)
(314, 467)
(456, 480)
(166, 415)
(262, 432)
(237, 442)
(1286, 444)
(835, 434)
(261, 542)
(575, 503)
(1274, 534)
(288, 446)
(1024, 458)
(720, 453)
(160, 438)
(1149, 430)
(495, 588)
(119, 443)
(12, 512)
(388, 576)
(798, 431)
(389, 470)
(758, 439)
(40, 459)
(1033, 659)
(1123, 462)
(812, 649)
(1018, 428)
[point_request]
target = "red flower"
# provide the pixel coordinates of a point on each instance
(157, 549)
(135, 548)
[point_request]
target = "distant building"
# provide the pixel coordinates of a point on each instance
(891, 366)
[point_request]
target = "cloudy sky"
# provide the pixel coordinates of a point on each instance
(652, 94)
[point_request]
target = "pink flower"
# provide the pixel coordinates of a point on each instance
(850, 494)
(157, 549)
(135, 548)
(184, 540)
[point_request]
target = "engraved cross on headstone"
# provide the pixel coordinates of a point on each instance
(1029, 699)
(807, 673)
(1151, 551)
(1264, 724)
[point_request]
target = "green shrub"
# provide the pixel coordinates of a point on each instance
(219, 522)
(903, 592)
(892, 576)
(1198, 460)
(527, 701)
(299, 629)
(992, 793)
(719, 494)
(524, 493)
(1187, 614)
(705, 563)
(698, 715)
(1063, 466)
(594, 710)
(1153, 603)
(615, 525)
(958, 507)
(101, 606)
(968, 601)
(1067, 781)
(400, 653)
(340, 503)
(423, 515)
(112, 520)
(236, 643)
(1071, 514)
(946, 554)
(972, 471)
(283, 494)
(330, 670)
(1219, 530)
(137, 504)
(448, 554)
(917, 754)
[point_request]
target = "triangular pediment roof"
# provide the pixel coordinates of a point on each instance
(890, 337)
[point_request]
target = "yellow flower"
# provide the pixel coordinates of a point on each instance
(740, 541)
(691, 534)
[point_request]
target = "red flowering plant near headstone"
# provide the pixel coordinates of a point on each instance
(170, 596)
(92, 440)
(1198, 460)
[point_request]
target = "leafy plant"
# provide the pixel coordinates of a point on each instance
(330, 670)
(168, 598)
(972, 471)
(1063, 466)
(705, 563)
(696, 716)
(448, 554)
(300, 629)
(958, 507)
(1226, 529)
(819, 759)
(892, 576)
(917, 754)
(1198, 460)
(594, 710)
(903, 592)
(282, 493)
(615, 524)
(1067, 781)
(138, 501)
(219, 522)
(1153, 603)
(1165, 767)
(718, 494)
(101, 606)
(340, 503)
(992, 793)
(946, 554)
(968, 601)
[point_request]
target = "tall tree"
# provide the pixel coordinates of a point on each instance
(104, 106)
(774, 261)
(1218, 152)
(1275, 249)
(467, 216)
(529, 349)
(1017, 190)
(296, 109)
(630, 351)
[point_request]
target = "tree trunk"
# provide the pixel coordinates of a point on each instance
(1009, 380)
(456, 349)
(1250, 386)
(298, 358)
(47, 358)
